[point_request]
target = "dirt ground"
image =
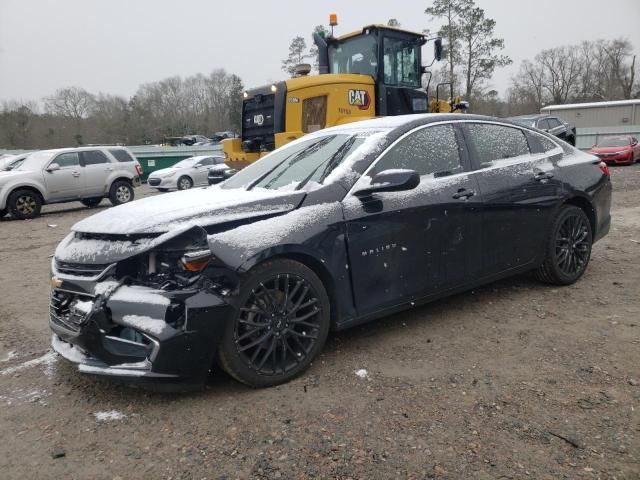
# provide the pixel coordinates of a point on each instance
(513, 380)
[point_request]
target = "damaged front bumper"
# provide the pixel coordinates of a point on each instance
(135, 332)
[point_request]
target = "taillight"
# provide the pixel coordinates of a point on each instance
(605, 169)
(138, 169)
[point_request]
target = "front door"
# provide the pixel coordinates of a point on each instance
(410, 244)
(67, 182)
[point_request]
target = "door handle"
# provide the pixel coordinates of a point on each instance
(543, 176)
(463, 193)
(75, 174)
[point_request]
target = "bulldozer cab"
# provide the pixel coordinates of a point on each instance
(392, 57)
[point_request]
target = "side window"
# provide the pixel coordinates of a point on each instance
(428, 151)
(543, 124)
(121, 155)
(553, 122)
(218, 160)
(494, 143)
(94, 157)
(67, 160)
(547, 145)
(207, 161)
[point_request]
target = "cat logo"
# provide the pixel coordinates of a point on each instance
(360, 99)
(258, 119)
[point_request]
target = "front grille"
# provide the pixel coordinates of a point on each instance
(63, 311)
(154, 182)
(80, 269)
(258, 121)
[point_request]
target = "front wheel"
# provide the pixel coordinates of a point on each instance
(281, 323)
(568, 247)
(121, 192)
(24, 204)
(185, 183)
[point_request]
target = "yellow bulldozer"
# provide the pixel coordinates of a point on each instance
(376, 71)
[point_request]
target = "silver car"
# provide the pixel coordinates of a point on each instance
(86, 174)
(185, 174)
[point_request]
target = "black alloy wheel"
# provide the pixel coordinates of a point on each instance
(569, 248)
(281, 324)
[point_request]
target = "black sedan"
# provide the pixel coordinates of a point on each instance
(338, 228)
(219, 173)
(547, 123)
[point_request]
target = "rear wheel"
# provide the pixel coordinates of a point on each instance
(185, 183)
(121, 192)
(568, 247)
(24, 204)
(91, 202)
(281, 323)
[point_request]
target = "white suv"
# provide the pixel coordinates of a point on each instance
(86, 174)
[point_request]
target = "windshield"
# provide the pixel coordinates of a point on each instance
(356, 55)
(614, 142)
(401, 63)
(293, 166)
(34, 161)
(187, 162)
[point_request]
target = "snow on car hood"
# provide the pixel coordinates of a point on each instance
(195, 207)
(163, 171)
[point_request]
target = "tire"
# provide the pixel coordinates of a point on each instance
(24, 204)
(264, 345)
(91, 202)
(568, 248)
(121, 192)
(3, 213)
(185, 183)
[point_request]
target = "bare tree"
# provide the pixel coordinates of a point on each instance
(618, 52)
(73, 103)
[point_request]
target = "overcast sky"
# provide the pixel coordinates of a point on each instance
(113, 46)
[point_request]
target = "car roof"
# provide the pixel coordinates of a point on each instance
(407, 122)
(532, 117)
(81, 149)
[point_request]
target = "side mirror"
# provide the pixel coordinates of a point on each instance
(390, 181)
(53, 167)
(437, 49)
(634, 141)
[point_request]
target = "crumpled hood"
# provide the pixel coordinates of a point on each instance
(183, 209)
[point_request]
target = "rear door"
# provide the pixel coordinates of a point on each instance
(67, 182)
(518, 191)
(97, 168)
(406, 245)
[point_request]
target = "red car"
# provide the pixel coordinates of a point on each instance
(621, 150)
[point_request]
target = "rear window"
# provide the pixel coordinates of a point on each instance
(121, 155)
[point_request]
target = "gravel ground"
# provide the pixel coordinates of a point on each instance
(513, 380)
